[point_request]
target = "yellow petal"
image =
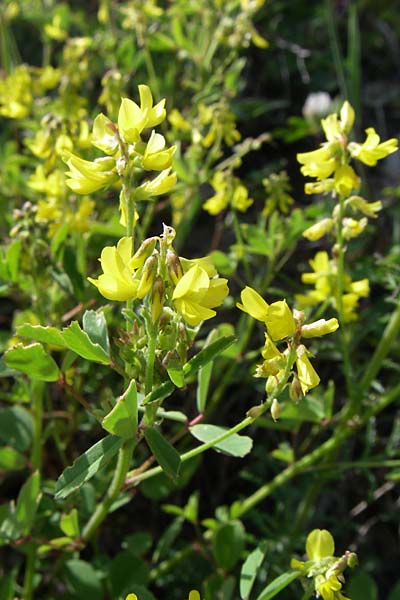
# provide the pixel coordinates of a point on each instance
(253, 304)
(280, 322)
(320, 544)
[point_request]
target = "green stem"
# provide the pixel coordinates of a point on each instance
(335, 47)
(29, 572)
(102, 510)
(37, 409)
(151, 355)
(37, 390)
(310, 459)
(133, 479)
(389, 335)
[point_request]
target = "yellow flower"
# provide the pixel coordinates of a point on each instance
(330, 588)
(318, 163)
(318, 230)
(367, 208)
(279, 321)
(319, 544)
(156, 157)
(161, 184)
(196, 294)
(104, 136)
(345, 181)
(132, 119)
(320, 327)
(372, 150)
(253, 304)
(86, 176)
(116, 282)
(240, 198)
(352, 228)
(308, 377)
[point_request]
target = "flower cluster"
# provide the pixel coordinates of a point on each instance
(329, 165)
(228, 190)
(324, 279)
(323, 566)
(277, 187)
(284, 324)
(126, 152)
(155, 273)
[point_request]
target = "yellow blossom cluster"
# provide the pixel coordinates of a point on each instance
(229, 190)
(212, 124)
(329, 165)
(191, 287)
(324, 279)
(126, 153)
(284, 324)
(323, 566)
(18, 89)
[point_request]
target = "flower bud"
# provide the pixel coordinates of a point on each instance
(145, 249)
(174, 267)
(275, 409)
(320, 327)
(318, 230)
(148, 273)
(295, 391)
(157, 299)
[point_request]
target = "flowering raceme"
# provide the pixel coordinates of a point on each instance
(324, 279)
(323, 566)
(281, 323)
(126, 151)
(330, 163)
(192, 286)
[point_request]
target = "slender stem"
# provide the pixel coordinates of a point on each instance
(101, 512)
(384, 346)
(134, 479)
(151, 355)
(335, 47)
(37, 390)
(310, 459)
(29, 572)
(37, 397)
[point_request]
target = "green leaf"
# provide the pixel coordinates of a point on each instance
(228, 544)
(123, 418)
(95, 325)
(27, 503)
(87, 465)
(207, 354)
(166, 455)
(235, 445)
(175, 371)
(69, 524)
(204, 376)
(125, 571)
(163, 391)
(47, 335)
(8, 585)
(34, 361)
(16, 427)
(278, 584)
(11, 459)
(362, 587)
(78, 340)
(83, 580)
(12, 258)
(249, 570)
